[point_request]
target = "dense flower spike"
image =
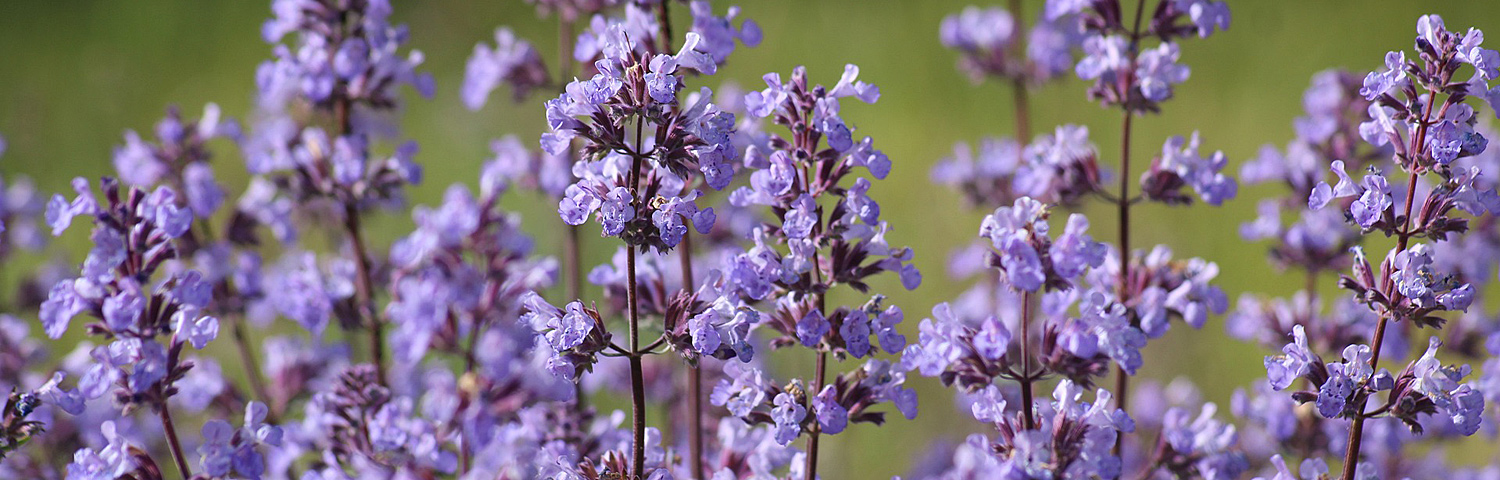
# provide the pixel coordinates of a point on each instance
(511, 60)
(1427, 142)
(494, 373)
(1123, 72)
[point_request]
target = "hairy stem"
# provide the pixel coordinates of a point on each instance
(252, 368)
(1122, 380)
(812, 438)
(1403, 237)
(1018, 84)
(172, 442)
(364, 284)
(1026, 407)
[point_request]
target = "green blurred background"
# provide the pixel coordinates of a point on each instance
(78, 73)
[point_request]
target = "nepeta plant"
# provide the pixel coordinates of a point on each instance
(1122, 298)
(1418, 118)
(742, 223)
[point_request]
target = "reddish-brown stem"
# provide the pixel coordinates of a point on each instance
(812, 439)
(252, 368)
(695, 376)
(637, 374)
(363, 280)
(1028, 415)
(811, 468)
(1018, 84)
(1122, 381)
(172, 442)
(664, 19)
(572, 241)
(1403, 237)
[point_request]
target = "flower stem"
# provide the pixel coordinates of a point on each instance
(812, 438)
(363, 280)
(572, 242)
(637, 375)
(695, 376)
(252, 368)
(1018, 83)
(172, 442)
(1356, 429)
(1026, 407)
(1403, 237)
(1122, 381)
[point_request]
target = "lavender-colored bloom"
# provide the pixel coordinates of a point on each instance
(801, 219)
(719, 33)
(1075, 251)
(812, 328)
(787, 416)
(1157, 71)
(512, 61)
(1379, 82)
(1294, 362)
(1204, 175)
(831, 416)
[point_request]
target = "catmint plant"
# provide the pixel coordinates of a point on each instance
(829, 234)
(1425, 141)
(637, 187)
(134, 238)
(342, 64)
(1136, 78)
(1123, 297)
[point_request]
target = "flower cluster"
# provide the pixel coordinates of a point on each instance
(626, 94)
(1125, 73)
(741, 218)
(991, 41)
(1434, 146)
(1060, 168)
(133, 238)
(794, 409)
(1071, 438)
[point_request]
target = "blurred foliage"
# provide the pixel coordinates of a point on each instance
(79, 73)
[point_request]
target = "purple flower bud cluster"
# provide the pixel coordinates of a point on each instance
(493, 374)
(339, 51)
(1124, 72)
(1071, 438)
(793, 409)
(1436, 144)
(1060, 168)
(990, 41)
(626, 94)
(134, 237)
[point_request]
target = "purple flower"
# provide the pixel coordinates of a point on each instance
(1378, 83)
(787, 417)
(832, 417)
(719, 34)
(616, 209)
(197, 330)
(512, 61)
(1294, 362)
(1075, 251)
(812, 328)
(1157, 71)
(801, 219)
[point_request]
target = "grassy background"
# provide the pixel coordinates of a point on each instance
(77, 74)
